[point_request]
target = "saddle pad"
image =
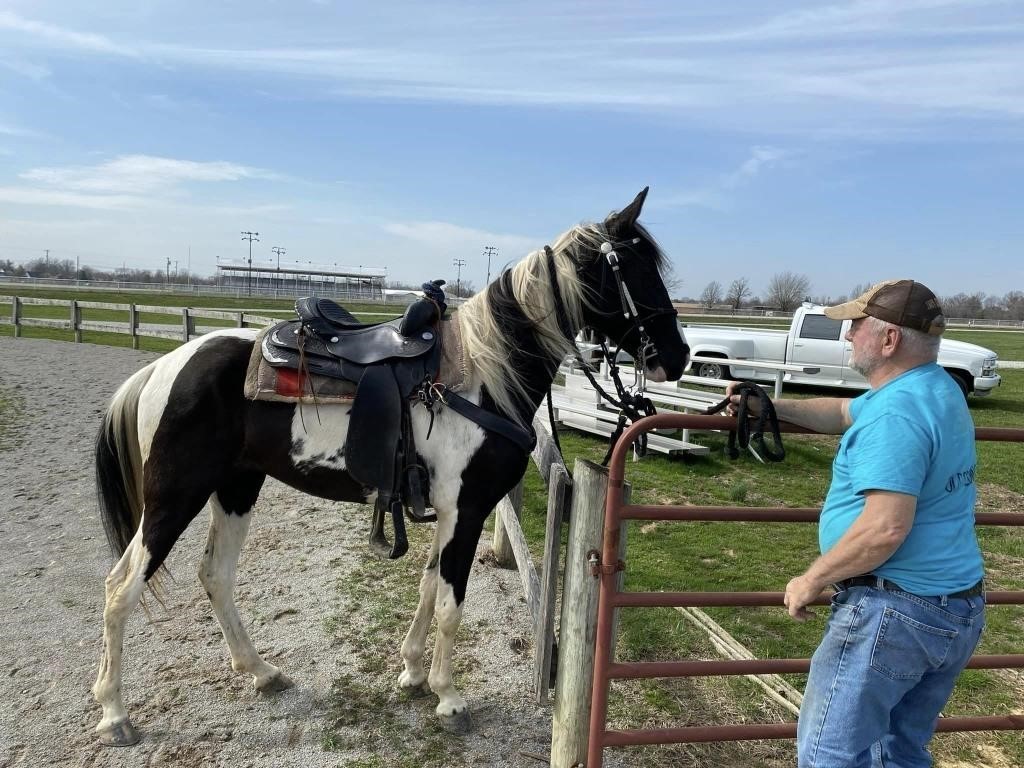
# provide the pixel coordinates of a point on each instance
(265, 382)
(282, 385)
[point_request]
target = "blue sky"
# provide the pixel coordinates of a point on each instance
(850, 142)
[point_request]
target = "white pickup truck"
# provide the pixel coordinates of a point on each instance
(815, 340)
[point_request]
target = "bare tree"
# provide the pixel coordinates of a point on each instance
(739, 289)
(711, 295)
(786, 290)
(859, 288)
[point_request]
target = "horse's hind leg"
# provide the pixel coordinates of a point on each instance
(124, 587)
(229, 523)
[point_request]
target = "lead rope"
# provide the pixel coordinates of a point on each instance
(752, 441)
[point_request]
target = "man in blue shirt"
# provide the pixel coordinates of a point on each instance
(897, 541)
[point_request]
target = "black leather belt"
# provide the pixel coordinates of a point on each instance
(873, 581)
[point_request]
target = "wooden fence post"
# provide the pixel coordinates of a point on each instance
(185, 324)
(570, 719)
(559, 494)
(241, 320)
(76, 319)
(133, 325)
(16, 315)
(501, 546)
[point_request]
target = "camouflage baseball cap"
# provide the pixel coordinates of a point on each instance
(900, 302)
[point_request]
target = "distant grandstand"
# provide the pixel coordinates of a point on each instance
(301, 279)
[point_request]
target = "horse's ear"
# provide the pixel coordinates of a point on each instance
(627, 217)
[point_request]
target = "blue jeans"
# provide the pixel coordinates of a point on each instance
(884, 670)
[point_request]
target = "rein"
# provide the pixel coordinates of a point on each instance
(632, 405)
(752, 441)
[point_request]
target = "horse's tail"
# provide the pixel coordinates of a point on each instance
(119, 463)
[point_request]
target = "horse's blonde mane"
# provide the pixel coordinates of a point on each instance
(488, 349)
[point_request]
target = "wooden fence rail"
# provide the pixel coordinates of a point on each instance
(182, 329)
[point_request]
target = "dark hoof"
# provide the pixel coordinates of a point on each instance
(460, 723)
(276, 684)
(122, 734)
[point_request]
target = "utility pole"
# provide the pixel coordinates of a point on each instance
(458, 280)
(47, 252)
(250, 236)
(489, 250)
(278, 250)
(77, 272)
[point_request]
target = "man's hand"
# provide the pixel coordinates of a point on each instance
(753, 404)
(800, 592)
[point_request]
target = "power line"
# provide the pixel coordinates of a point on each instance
(458, 280)
(489, 250)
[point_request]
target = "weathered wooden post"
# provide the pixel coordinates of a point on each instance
(185, 324)
(559, 494)
(570, 719)
(76, 319)
(16, 315)
(133, 325)
(501, 545)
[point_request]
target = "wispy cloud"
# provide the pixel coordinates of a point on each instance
(444, 236)
(140, 174)
(61, 37)
(717, 195)
(781, 66)
(52, 197)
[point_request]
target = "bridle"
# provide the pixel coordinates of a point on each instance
(632, 405)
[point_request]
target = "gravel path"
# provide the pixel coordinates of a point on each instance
(192, 709)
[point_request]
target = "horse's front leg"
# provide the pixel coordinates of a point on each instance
(457, 552)
(413, 677)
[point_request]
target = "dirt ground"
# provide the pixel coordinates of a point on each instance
(307, 590)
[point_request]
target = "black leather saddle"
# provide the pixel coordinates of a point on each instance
(390, 363)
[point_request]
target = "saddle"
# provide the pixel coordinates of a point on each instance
(390, 364)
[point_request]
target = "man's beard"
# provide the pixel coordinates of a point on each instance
(865, 363)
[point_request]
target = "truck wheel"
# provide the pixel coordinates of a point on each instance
(712, 371)
(961, 382)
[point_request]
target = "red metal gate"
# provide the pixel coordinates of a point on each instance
(606, 669)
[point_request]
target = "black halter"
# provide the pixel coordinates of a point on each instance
(632, 405)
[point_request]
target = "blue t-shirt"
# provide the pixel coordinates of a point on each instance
(913, 435)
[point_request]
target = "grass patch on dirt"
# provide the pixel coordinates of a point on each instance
(370, 717)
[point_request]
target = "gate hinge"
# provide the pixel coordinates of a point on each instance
(597, 568)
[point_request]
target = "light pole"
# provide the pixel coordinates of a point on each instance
(278, 250)
(458, 280)
(250, 236)
(489, 250)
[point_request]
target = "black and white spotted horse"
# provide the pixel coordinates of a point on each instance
(180, 435)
